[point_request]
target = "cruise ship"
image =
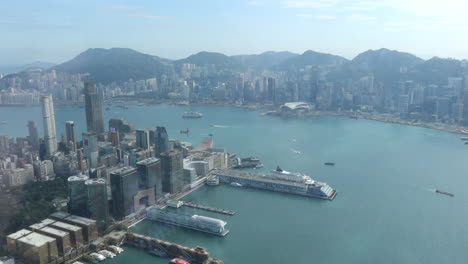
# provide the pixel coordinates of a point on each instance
(196, 222)
(279, 180)
(192, 115)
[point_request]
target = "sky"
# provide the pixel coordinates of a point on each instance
(58, 30)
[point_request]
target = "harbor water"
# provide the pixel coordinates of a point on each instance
(386, 210)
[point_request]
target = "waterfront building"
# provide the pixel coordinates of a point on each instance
(403, 104)
(93, 105)
(33, 135)
(90, 148)
(97, 202)
(149, 171)
(77, 195)
(70, 135)
(124, 186)
(161, 141)
(142, 139)
(48, 114)
(172, 171)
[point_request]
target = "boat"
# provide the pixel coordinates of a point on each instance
(107, 108)
(236, 184)
(329, 163)
(212, 181)
(464, 138)
(157, 252)
(97, 256)
(466, 143)
(446, 193)
(107, 253)
(115, 249)
(191, 114)
(178, 261)
(3, 122)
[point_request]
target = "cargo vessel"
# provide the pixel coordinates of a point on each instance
(279, 180)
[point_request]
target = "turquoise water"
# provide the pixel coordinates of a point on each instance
(386, 210)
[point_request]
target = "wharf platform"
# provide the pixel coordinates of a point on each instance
(209, 208)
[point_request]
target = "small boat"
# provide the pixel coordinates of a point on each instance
(446, 193)
(3, 122)
(115, 249)
(464, 138)
(236, 184)
(107, 253)
(329, 163)
(466, 143)
(178, 261)
(97, 256)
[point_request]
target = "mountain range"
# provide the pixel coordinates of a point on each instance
(121, 64)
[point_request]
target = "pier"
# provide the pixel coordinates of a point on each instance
(209, 208)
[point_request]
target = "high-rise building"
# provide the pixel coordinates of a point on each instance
(403, 104)
(142, 139)
(161, 141)
(172, 171)
(77, 195)
(4, 144)
(149, 171)
(33, 135)
(90, 149)
(70, 135)
(93, 105)
(124, 186)
(97, 203)
(50, 134)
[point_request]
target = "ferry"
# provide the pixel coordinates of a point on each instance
(192, 115)
(236, 184)
(115, 249)
(329, 163)
(97, 256)
(107, 254)
(178, 261)
(212, 181)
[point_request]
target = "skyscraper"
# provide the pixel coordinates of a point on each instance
(90, 149)
(48, 115)
(93, 104)
(142, 139)
(124, 186)
(70, 135)
(33, 135)
(77, 195)
(149, 171)
(172, 170)
(161, 141)
(97, 204)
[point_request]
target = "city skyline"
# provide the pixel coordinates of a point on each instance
(62, 29)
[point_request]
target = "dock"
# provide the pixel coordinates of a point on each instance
(209, 208)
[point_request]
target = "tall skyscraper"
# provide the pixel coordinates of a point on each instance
(33, 135)
(93, 104)
(142, 139)
(124, 187)
(70, 135)
(48, 115)
(77, 195)
(172, 170)
(161, 141)
(90, 149)
(149, 171)
(97, 203)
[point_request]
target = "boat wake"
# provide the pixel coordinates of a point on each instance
(295, 151)
(219, 126)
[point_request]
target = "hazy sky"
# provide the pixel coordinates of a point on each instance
(57, 30)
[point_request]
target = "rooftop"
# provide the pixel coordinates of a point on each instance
(60, 214)
(66, 226)
(147, 161)
(42, 224)
(80, 220)
(53, 231)
(36, 239)
(124, 170)
(20, 233)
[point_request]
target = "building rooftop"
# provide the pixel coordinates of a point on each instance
(124, 170)
(54, 232)
(66, 226)
(147, 161)
(36, 239)
(19, 234)
(99, 181)
(42, 224)
(60, 214)
(79, 177)
(80, 220)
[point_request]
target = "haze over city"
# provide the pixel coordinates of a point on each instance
(57, 30)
